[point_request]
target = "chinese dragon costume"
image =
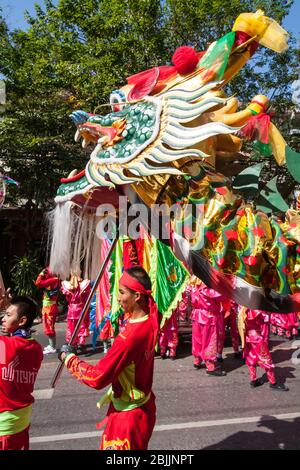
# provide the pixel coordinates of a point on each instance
(170, 139)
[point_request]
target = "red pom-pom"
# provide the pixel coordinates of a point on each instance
(185, 60)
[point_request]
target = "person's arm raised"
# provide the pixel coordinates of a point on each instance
(5, 298)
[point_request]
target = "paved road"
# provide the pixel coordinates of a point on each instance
(195, 411)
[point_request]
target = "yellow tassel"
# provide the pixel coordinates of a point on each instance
(242, 315)
(269, 33)
(278, 144)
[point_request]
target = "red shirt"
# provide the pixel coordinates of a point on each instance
(50, 286)
(20, 360)
(132, 349)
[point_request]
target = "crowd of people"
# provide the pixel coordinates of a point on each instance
(128, 363)
(212, 315)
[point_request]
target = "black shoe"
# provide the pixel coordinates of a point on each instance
(279, 386)
(220, 359)
(163, 356)
(237, 355)
(216, 373)
(255, 383)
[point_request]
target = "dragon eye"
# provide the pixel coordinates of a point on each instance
(116, 98)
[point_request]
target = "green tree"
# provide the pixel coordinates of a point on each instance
(70, 57)
(200, 23)
(75, 52)
(24, 273)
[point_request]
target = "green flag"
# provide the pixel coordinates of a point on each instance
(169, 278)
(216, 57)
(116, 273)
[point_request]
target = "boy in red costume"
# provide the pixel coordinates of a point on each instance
(50, 285)
(256, 351)
(20, 360)
(128, 366)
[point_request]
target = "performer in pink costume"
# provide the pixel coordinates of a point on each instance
(256, 351)
(207, 327)
(168, 336)
(230, 320)
(76, 292)
(285, 325)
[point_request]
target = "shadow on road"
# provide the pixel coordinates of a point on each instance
(184, 348)
(282, 373)
(231, 363)
(279, 434)
(282, 355)
(275, 341)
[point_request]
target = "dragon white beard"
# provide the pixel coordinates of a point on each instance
(74, 245)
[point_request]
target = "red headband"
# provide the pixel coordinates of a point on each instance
(133, 284)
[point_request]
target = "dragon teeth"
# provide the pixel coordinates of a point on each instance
(77, 136)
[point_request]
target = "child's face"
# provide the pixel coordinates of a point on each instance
(11, 322)
(128, 299)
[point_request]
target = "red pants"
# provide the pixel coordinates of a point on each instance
(206, 339)
(129, 430)
(82, 334)
(168, 336)
(49, 314)
(19, 441)
(234, 333)
(256, 351)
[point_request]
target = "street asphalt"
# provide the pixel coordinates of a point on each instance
(194, 411)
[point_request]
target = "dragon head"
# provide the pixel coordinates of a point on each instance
(169, 117)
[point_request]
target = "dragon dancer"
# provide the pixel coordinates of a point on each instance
(128, 366)
(256, 351)
(50, 283)
(76, 292)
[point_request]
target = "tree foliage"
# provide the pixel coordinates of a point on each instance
(23, 275)
(76, 51)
